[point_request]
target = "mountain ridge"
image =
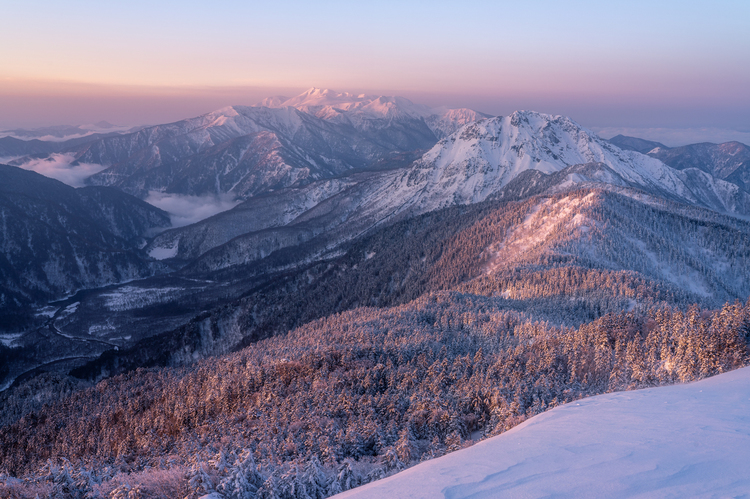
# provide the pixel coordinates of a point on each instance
(289, 144)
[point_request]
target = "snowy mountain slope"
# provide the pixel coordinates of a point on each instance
(566, 259)
(482, 157)
(348, 211)
(688, 440)
(695, 250)
(245, 150)
(728, 161)
(444, 122)
(371, 112)
(523, 154)
(258, 213)
(710, 191)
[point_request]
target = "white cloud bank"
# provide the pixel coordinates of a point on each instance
(59, 167)
(186, 210)
(183, 209)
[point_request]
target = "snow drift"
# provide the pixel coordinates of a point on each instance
(688, 440)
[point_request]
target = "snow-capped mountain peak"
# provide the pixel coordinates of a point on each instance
(327, 103)
(482, 157)
(273, 101)
(319, 98)
(361, 109)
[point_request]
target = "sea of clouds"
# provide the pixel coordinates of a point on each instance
(185, 210)
(61, 167)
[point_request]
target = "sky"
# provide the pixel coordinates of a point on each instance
(615, 65)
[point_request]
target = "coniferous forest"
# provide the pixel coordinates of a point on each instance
(351, 398)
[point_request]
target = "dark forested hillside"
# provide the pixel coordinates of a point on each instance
(55, 239)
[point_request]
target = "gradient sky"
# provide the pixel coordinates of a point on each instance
(678, 64)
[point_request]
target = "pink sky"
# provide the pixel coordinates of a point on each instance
(606, 64)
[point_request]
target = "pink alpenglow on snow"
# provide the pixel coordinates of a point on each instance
(689, 440)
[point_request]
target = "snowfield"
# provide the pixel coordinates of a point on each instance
(689, 440)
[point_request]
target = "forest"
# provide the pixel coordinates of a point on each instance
(350, 398)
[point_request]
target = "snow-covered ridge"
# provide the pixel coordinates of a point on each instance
(688, 440)
(321, 102)
(248, 150)
(483, 156)
(337, 106)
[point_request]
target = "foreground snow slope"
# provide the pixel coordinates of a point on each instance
(688, 440)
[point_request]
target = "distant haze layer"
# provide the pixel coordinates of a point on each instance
(39, 104)
(606, 64)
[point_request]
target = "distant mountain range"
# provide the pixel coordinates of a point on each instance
(476, 163)
(729, 161)
(246, 151)
(63, 132)
(333, 166)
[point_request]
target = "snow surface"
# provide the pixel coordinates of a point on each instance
(133, 297)
(162, 253)
(9, 339)
(48, 311)
(689, 440)
(71, 309)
